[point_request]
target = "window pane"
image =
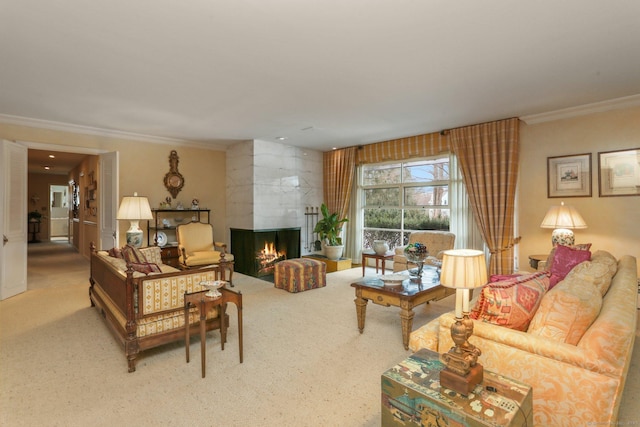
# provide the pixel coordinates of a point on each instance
(426, 196)
(381, 174)
(426, 219)
(382, 218)
(391, 237)
(426, 170)
(382, 197)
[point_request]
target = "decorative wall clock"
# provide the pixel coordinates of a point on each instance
(173, 180)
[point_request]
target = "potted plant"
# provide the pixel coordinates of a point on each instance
(34, 216)
(329, 229)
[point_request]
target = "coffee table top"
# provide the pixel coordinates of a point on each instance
(430, 281)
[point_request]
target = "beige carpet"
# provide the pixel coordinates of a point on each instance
(305, 363)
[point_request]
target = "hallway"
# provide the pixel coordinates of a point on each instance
(55, 263)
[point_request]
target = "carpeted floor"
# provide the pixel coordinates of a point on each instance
(305, 363)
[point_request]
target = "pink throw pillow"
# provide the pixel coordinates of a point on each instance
(565, 258)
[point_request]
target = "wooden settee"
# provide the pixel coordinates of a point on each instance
(146, 310)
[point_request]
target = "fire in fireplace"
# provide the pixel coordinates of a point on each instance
(256, 252)
(268, 258)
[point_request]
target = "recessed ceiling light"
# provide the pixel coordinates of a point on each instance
(51, 156)
(47, 167)
(281, 138)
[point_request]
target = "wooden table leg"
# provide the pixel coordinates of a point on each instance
(240, 330)
(223, 324)
(361, 309)
(364, 263)
(203, 337)
(186, 328)
(406, 316)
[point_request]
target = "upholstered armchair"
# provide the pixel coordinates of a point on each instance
(435, 241)
(198, 248)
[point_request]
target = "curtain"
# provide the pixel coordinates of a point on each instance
(463, 223)
(426, 145)
(488, 157)
(338, 173)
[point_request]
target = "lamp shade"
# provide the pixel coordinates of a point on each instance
(134, 208)
(563, 217)
(463, 269)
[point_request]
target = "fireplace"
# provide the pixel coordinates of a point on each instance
(256, 252)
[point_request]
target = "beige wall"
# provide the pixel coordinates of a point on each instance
(613, 222)
(143, 166)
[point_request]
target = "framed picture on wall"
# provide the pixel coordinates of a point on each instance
(569, 176)
(619, 173)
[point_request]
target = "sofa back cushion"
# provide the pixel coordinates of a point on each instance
(567, 311)
(599, 271)
(511, 302)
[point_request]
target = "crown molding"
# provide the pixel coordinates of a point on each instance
(582, 110)
(88, 130)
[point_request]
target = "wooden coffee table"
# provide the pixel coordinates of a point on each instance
(409, 296)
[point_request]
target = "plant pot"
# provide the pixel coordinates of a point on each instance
(333, 252)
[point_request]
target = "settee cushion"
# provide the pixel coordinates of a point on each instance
(564, 259)
(511, 302)
(152, 254)
(599, 271)
(567, 310)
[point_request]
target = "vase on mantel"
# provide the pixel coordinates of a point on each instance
(380, 247)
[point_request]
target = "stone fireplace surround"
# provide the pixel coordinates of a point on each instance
(269, 187)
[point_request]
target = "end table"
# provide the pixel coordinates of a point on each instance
(204, 304)
(384, 258)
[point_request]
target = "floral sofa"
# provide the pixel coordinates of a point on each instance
(575, 350)
(142, 300)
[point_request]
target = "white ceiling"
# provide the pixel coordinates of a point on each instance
(324, 74)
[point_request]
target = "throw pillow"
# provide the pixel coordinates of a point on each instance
(552, 254)
(145, 267)
(594, 272)
(133, 255)
(565, 258)
(152, 254)
(567, 311)
(115, 253)
(512, 302)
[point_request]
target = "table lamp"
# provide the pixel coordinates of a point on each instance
(134, 208)
(462, 269)
(562, 219)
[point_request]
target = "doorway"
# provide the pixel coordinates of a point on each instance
(59, 218)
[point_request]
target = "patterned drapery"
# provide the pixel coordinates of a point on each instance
(339, 171)
(426, 145)
(488, 158)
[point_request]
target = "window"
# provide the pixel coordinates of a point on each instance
(401, 197)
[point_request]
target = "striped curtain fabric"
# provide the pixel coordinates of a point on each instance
(339, 168)
(488, 158)
(425, 145)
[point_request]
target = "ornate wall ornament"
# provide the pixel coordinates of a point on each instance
(173, 180)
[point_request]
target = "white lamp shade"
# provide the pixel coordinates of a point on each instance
(463, 269)
(563, 217)
(134, 208)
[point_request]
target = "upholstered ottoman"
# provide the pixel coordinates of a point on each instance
(300, 274)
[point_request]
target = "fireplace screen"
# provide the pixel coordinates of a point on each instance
(256, 252)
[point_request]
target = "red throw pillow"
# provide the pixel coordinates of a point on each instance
(565, 258)
(513, 302)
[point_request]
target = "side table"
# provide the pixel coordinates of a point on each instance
(412, 395)
(535, 259)
(204, 304)
(384, 258)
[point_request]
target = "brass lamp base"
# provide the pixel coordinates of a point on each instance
(463, 384)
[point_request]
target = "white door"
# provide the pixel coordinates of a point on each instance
(108, 167)
(13, 218)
